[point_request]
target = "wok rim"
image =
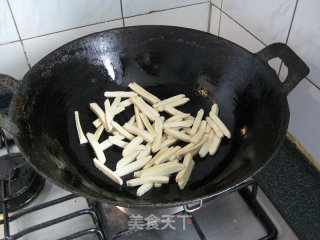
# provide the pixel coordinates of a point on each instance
(280, 134)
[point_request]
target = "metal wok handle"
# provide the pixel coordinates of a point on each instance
(8, 87)
(297, 69)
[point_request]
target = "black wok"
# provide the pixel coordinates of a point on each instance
(166, 61)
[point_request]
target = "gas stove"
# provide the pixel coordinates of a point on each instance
(32, 208)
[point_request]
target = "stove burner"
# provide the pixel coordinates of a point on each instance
(21, 183)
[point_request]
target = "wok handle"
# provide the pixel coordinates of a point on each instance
(193, 208)
(297, 69)
(8, 88)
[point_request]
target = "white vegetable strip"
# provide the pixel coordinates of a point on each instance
(172, 110)
(140, 147)
(187, 130)
(99, 112)
(214, 126)
(131, 147)
(120, 94)
(157, 185)
(82, 137)
(179, 102)
(165, 156)
(105, 144)
(128, 159)
(208, 129)
(125, 103)
(108, 114)
(137, 174)
(116, 135)
(205, 147)
(142, 109)
(152, 161)
(215, 145)
(118, 110)
(194, 149)
(181, 124)
(96, 148)
(112, 175)
(186, 162)
(146, 151)
(182, 151)
(114, 105)
(176, 103)
(147, 124)
(122, 131)
(132, 119)
(162, 169)
(176, 117)
(221, 125)
(215, 109)
(147, 106)
(168, 142)
(136, 131)
(98, 132)
(179, 135)
(168, 100)
(116, 141)
(190, 118)
(185, 175)
(133, 166)
(196, 122)
(143, 180)
(138, 118)
(96, 123)
(143, 93)
(158, 136)
(198, 136)
(144, 188)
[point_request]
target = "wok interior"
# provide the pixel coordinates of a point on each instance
(166, 61)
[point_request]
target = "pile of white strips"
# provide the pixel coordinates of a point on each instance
(148, 132)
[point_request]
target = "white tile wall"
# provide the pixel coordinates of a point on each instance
(268, 20)
(217, 3)
(8, 32)
(304, 103)
(12, 60)
(215, 20)
(136, 7)
(36, 18)
(232, 31)
(184, 17)
(305, 35)
(39, 47)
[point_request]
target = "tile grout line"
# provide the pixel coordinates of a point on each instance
(220, 18)
(7, 43)
(209, 18)
(289, 31)
(66, 30)
(316, 86)
(243, 27)
(121, 6)
(22, 45)
(156, 11)
(88, 25)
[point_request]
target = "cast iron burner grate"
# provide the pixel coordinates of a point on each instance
(21, 184)
(247, 190)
